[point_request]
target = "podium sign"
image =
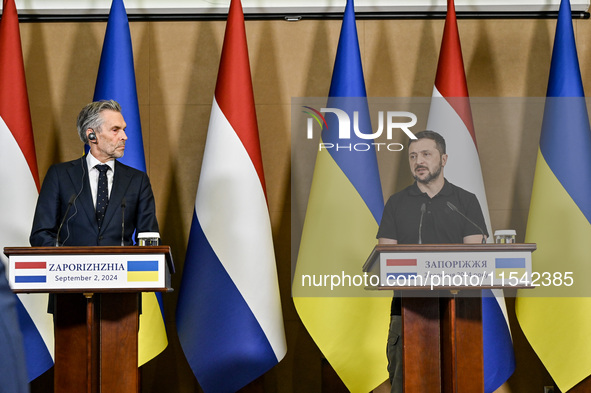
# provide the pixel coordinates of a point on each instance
(53, 272)
(450, 265)
(76, 269)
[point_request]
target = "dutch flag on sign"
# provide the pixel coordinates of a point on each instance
(27, 272)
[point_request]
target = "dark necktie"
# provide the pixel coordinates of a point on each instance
(102, 194)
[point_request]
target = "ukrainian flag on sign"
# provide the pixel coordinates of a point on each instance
(142, 271)
(506, 266)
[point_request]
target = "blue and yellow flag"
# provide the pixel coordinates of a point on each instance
(344, 209)
(116, 81)
(559, 219)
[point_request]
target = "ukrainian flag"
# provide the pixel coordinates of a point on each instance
(559, 219)
(344, 208)
(116, 81)
(142, 271)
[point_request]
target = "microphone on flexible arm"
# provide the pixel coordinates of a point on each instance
(454, 208)
(423, 209)
(123, 221)
(70, 203)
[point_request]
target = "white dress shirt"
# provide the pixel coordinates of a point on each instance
(93, 173)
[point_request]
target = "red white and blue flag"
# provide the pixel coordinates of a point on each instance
(229, 318)
(451, 116)
(20, 186)
(30, 272)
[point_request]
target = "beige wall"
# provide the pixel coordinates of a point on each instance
(176, 67)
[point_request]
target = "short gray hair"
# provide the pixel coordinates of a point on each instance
(90, 116)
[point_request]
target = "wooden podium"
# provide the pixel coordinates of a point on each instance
(442, 319)
(96, 306)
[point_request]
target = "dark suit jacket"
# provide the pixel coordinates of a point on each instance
(68, 179)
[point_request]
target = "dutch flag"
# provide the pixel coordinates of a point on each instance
(229, 316)
(19, 188)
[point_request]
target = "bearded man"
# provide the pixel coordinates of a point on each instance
(421, 214)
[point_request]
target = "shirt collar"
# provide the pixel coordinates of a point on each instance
(445, 190)
(91, 161)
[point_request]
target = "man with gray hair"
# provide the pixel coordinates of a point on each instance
(95, 200)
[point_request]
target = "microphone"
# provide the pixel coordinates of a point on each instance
(123, 221)
(70, 203)
(423, 209)
(454, 208)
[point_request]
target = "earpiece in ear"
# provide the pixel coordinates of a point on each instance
(92, 136)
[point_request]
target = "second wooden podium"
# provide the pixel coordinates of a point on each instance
(441, 296)
(95, 297)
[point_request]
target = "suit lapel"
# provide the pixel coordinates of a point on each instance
(79, 177)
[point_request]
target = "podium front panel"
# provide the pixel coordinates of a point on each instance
(89, 271)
